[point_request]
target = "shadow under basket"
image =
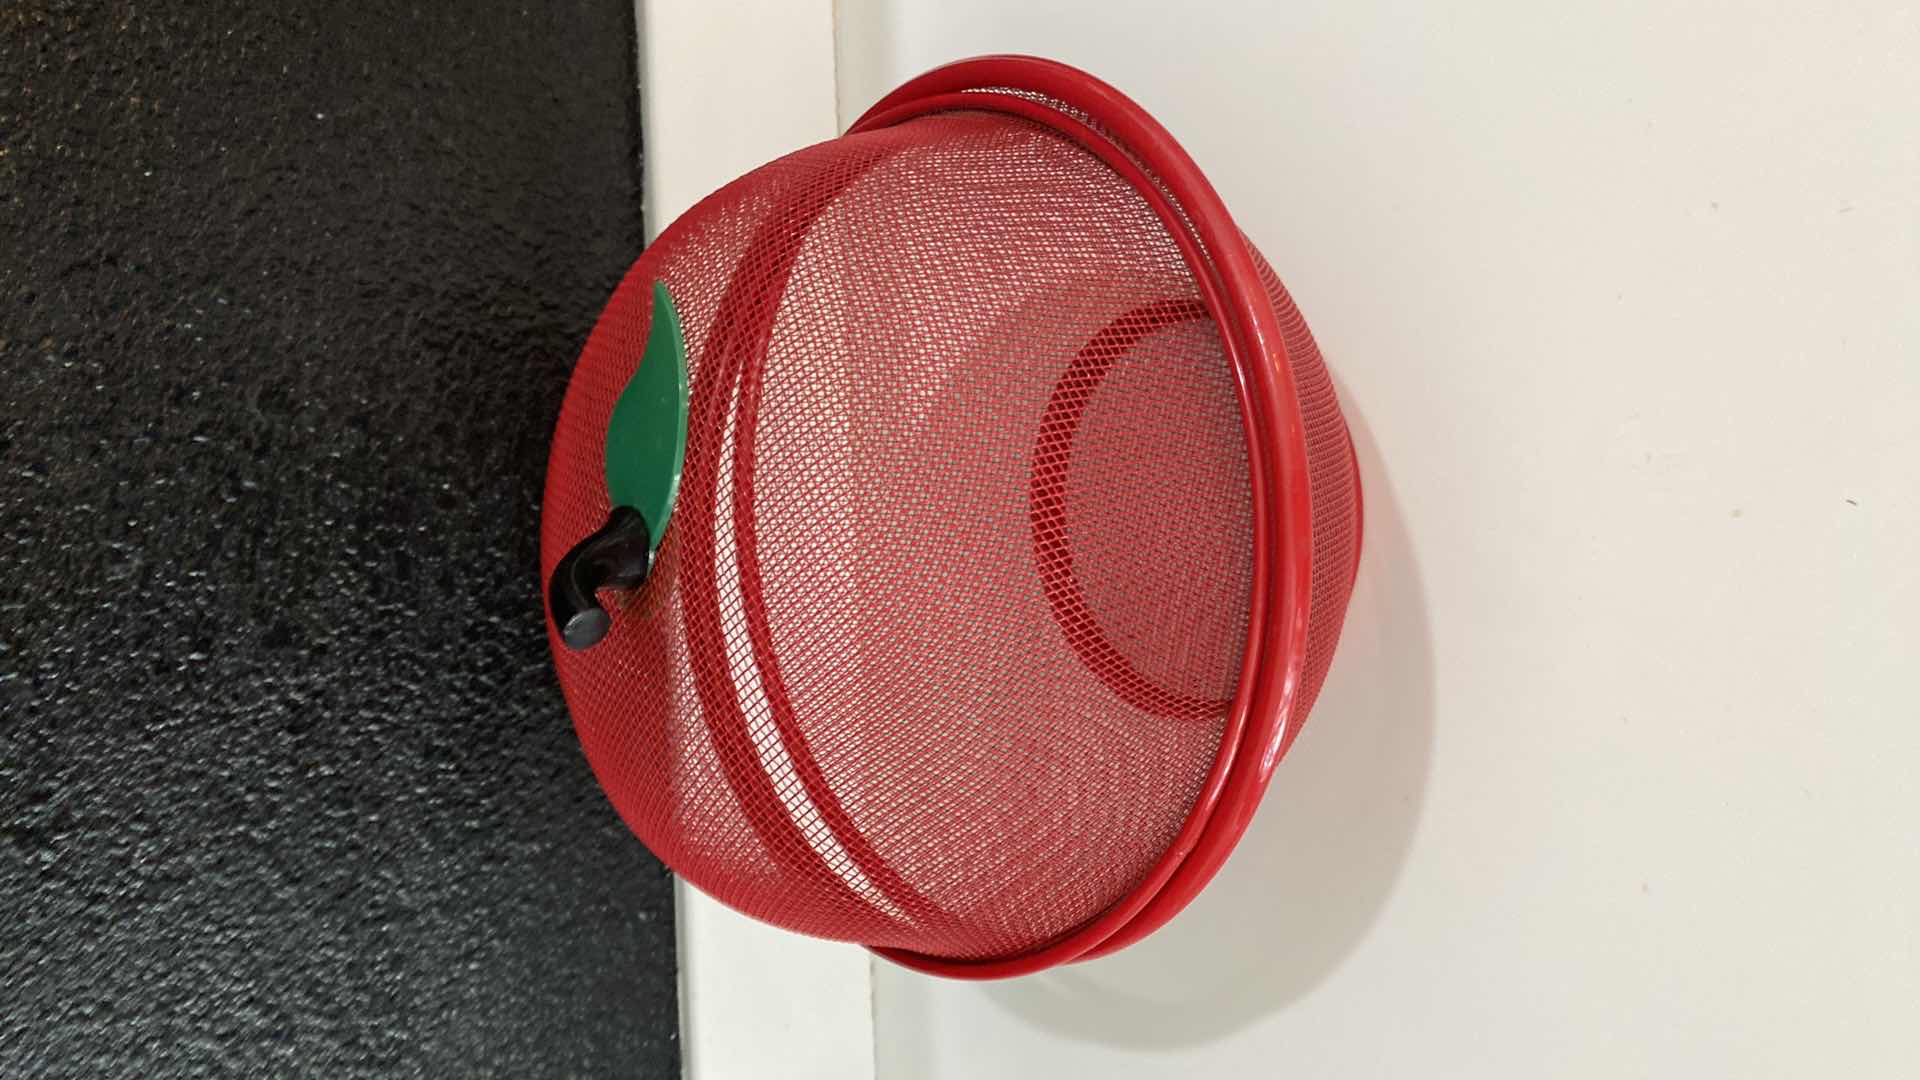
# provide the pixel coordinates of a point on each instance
(1005, 548)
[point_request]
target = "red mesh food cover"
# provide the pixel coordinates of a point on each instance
(1017, 523)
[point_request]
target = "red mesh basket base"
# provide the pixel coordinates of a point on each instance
(947, 648)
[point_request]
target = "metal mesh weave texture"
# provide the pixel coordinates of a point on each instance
(938, 650)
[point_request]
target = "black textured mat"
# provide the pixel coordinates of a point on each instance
(287, 303)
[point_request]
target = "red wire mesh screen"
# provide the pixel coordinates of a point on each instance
(937, 650)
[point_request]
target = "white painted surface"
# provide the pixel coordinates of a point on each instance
(725, 87)
(1616, 772)
(756, 1002)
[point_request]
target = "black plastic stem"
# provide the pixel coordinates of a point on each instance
(616, 557)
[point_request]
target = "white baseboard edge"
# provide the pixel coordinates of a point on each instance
(725, 86)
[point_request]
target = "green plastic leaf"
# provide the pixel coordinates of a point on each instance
(647, 435)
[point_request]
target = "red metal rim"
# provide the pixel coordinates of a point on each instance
(1259, 728)
(1225, 831)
